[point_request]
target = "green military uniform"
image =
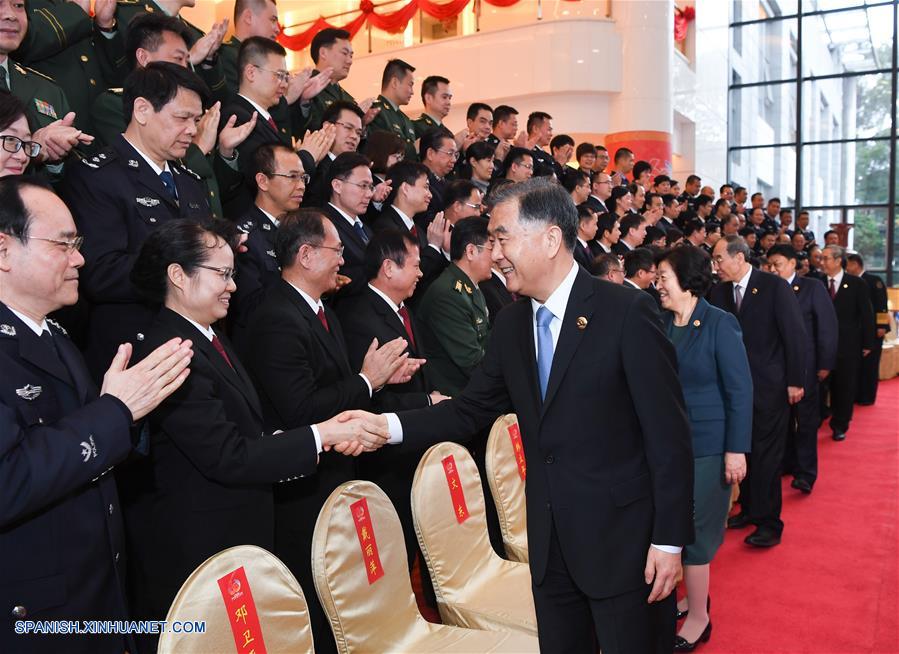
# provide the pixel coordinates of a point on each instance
(228, 58)
(45, 102)
(109, 122)
(454, 326)
(425, 123)
(392, 119)
(320, 103)
(213, 75)
(63, 43)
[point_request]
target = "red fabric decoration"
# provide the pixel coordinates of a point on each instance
(682, 18)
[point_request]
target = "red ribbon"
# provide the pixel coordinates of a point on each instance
(515, 437)
(460, 509)
(366, 534)
(242, 613)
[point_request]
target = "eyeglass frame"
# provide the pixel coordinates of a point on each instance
(455, 154)
(282, 75)
(20, 143)
(306, 177)
(358, 131)
(226, 273)
(339, 250)
(364, 186)
(71, 246)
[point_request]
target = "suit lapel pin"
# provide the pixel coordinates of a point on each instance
(133, 163)
(795, 287)
(755, 291)
(581, 323)
(7, 330)
(468, 289)
(845, 285)
(29, 392)
(696, 323)
(271, 253)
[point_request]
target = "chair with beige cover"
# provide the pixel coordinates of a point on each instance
(362, 578)
(245, 595)
(506, 472)
(475, 588)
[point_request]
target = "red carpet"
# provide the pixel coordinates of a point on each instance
(831, 585)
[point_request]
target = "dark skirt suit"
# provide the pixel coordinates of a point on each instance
(714, 373)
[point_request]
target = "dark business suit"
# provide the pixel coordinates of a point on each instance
(206, 483)
(608, 473)
(437, 185)
(496, 295)
(353, 253)
(318, 192)
(621, 248)
(820, 322)
(855, 317)
(432, 260)
(584, 256)
(869, 374)
(775, 344)
(61, 535)
(257, 269)
(596, 204)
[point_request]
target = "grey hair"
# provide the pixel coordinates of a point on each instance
(543, 200)
(736, 245)
(837, 250)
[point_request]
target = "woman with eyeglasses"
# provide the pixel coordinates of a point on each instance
(17, 149)
(205, 482)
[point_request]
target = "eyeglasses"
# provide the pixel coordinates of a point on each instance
(282, 75)
(451, 153)
(524, 165)
(293, 177)
(367, 187)
(71, 246)
(355, 130)
(339, 250)
(485, 246)
(13, 144)
(226, 273)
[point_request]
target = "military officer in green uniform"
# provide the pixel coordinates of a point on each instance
(453, 313)
(396, 91)
(438, 100)
(80, 53)
(45, 102)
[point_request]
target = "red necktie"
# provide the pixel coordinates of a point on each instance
(407, 323)
(414, 231)
(271, 121)
(833, 289)
(323, 319)
(217, 344)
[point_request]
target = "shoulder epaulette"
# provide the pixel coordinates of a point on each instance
(25, 70)
(100, 159)
(116, 90)
(246, 227)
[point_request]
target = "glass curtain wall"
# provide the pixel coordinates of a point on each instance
(813, 109)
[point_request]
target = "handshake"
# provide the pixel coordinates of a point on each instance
(354, 432)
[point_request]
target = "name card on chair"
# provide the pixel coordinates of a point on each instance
(518, 448)
(460, 509)
(366, 534)
(242, 613)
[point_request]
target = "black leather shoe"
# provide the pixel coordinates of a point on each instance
(681, 644)
(839, 435)
(738, 521)
(762, 538)
(801, 484)
(680, 615)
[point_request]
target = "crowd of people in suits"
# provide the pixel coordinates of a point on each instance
(227, 288)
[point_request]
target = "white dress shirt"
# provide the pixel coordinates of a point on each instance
(32, 325)
(263, 113)
(743, 285)
(837, 280)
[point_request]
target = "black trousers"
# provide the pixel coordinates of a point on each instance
(760, 494)
(801, 456)
(869, 375)
(568, 621)
(843, 387)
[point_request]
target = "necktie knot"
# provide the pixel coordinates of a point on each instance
(544, 317)
(360, 230)
(323, 319)
(217, 344)
(407, 323)
(168, 180)
(544, 348)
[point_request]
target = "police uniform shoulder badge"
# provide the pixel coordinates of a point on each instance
(7, 330)
(246, 227)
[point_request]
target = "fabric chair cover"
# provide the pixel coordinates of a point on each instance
(506, 471)
(242, 593)
(475, 588)
(362, 578)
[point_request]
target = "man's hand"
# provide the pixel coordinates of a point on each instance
(653, 215)
(369, 112)
(380, 363)
(144, 386)
(207, 128)
(318, 143)
(502, 149)
(296, 83)
(521, 141)
(104, 13)
(822, 374)
(464, 139)
(665, 569)
(734, 467)
(59, 137)
(405, 372)
(437, 397)
(381, 191)
(312, 86)
(209, 43)
(361, 427)
(795, 393)
(438, 231)
(230, 137)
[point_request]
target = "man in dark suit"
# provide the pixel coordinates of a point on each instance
(298, 360)
(610, 482)
(774, 337)
(58, 439)
(496, 295)
(820, 320)
(640, 272)
(123, 193)
(411, 195)
(633, 232)
(600, 190)
(869, 373)
(439, 154)
(586, 232)
(345, 119)
(857, 326)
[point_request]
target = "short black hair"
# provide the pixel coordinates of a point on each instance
(756, 195)
(638, 259)
(641, 167)
(584, 212)
(724, 186)
(692, 179)
(536, 119)
(584, 149)
(692, 226)
(630, 222)
(264, 158)
(241, 6)
(379, 146)
(146, 31)
(395, 68)
(480, 150)
(468, 231)
(477, 107)
(255, 50)
(653, 233)
(332, 113)
(603, 263)
(692, 267)
(855, 257)
(158, 83)
(785, 211)
(432, 140)
(774, 199)
(605, 224)
(344, 164)
(601, 147)
(516, 155)
(459, 190)
(297, 228)
(784, 250)
(182, 241)
(542, 200)
(11, 109)
(668, 199)
(721, 202)
(503, 112)
(572, 177)
(429, 87)
(15, 218)
(701, 200)
(621, 153)
(404, 172)
(829, 232)
(386, 244)
(325, 39)
(560, 141)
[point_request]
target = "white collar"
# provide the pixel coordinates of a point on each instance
(502, 277)
(313, 304)
(407, 221)
(837, 279)
(32, 325)
(557, 302)
(384, 297)
(597, 198)
(150, 162)
(331, 155)
(262, 112)
(275, 221)
(792, 277)
(744, 283)
(628, 281)
(206, 331)
(582, 241)
(352, 221)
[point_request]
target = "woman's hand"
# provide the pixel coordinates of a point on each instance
(734, 467)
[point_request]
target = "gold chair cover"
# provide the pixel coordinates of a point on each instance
(366, 591)
(277, 602)
(475, 588)
(505, 469)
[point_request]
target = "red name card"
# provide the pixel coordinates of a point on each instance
(366, 534)
(455, 489)
(242, 612)
(515, 437)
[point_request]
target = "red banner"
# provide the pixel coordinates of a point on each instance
(515, 437)
(242, 612)
(366, 534)
(460, 509)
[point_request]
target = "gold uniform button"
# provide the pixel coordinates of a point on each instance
(93, 82)
(84, 58)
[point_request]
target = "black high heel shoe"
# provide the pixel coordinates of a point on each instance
(683, 614)
(681, 644)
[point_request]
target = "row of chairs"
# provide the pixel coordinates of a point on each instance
(248, 598)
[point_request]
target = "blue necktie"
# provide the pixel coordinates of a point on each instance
(360, 231)
(544, 348)
(169, 182)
